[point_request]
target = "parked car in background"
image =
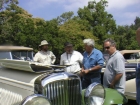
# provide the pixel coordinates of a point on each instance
(25, 82)
(130, 70)
(131, 56)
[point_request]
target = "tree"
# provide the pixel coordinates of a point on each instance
(101, 23)
(126, 38)
(65, 17)
(5, 3)
(74, 32)
(11, 22)
(20, 28)
(136, 24)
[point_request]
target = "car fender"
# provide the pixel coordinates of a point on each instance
(112, 96)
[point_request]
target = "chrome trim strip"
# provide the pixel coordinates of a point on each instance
(56, 77)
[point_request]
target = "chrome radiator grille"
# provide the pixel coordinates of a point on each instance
(64, 92)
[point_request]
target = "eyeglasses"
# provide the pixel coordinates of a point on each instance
(108, 47)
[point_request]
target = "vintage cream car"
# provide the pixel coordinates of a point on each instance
(132, 59)
(131, 56)
(24, 82)
(130, 85)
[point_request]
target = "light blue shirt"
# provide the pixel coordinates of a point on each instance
(94, 59)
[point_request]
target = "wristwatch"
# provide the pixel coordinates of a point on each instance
(90, 69)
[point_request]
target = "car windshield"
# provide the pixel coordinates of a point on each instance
(22, 55)
(130, 55)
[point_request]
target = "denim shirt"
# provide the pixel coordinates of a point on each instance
(94, 59)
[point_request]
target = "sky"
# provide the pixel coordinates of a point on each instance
(124, 11)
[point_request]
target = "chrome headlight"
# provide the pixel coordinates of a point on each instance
(94, 94)
(35, 99)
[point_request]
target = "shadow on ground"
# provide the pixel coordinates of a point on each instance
(131, 102)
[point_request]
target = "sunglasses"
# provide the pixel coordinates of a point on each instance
(108, 47)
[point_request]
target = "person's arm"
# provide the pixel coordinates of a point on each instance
(80, 61)
(98, 67)
(53, 57)
(115, 80)
(100, 63)
(80, 58)
(91, 69)
(36, 58)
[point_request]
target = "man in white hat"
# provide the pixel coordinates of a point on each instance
(44, 55)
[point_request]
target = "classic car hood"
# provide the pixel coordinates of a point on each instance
(24, 65)
(21, 76)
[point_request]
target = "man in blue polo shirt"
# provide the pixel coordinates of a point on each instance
(92, 64)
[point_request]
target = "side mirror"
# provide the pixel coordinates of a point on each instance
(35, 99)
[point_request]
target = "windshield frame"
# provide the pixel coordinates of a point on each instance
(22, 55)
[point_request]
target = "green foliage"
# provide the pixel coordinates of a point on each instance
(101, 23)
(18, 27)
(5, 3)
(126, 38)
(136, 24)
(65, 17)
(74, 32)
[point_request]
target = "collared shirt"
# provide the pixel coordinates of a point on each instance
(47, 58)
(94, 59)
(74, 59)
(115, 65)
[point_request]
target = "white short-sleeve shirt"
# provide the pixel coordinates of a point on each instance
(74, 59)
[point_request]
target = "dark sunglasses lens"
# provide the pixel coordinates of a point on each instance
(107, 47)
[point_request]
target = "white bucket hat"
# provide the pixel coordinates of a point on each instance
(44, 42)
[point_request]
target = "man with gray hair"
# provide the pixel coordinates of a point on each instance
(114, 74)
(92, 64)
